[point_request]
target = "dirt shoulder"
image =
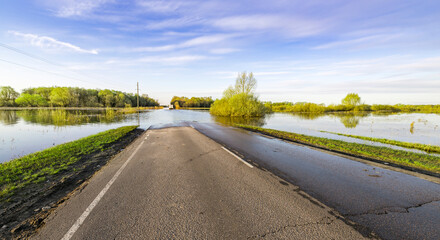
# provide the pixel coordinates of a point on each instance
(25, 212)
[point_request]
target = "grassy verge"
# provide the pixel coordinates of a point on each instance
(413, 160)
(419, 146)
(37, 167)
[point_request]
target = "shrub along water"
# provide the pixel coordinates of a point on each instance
(240, 100)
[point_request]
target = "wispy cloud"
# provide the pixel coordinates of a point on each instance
(51, 43)
(172, 60)
(291, 26)
(171, 23)
(426, 65)
(70, 8)
(373, 40)
(161, 6)
(224, 50)
(204, 40)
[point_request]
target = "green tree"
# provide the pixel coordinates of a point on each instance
(60, 96)
(120, 100)
(31, 100)
(352, 99)
(244, 83)
(107, 97)
(7, 96)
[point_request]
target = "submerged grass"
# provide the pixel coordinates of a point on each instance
(419, 146)
(37, 167)
(414, 160)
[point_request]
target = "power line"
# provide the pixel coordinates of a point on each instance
(28, 54)
(40, 70)
(41, 59)
(46, 61)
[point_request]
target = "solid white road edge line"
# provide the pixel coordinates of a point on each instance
(98, 198)
(237, 157)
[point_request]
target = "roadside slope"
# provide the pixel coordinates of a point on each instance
(32, 186)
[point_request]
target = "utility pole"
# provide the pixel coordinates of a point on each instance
(138, 96)
(139, 119)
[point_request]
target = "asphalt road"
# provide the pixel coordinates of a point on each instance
(176, 183)
(392, 204)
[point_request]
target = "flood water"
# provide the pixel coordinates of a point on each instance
(26, 131)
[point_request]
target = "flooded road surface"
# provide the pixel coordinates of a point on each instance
(27, 131)
(395, 205)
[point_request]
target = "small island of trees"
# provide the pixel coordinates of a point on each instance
(194, 102)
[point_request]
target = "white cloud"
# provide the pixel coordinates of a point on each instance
(50, 43)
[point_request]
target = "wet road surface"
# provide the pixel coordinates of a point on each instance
(176, 183)
(394, 205)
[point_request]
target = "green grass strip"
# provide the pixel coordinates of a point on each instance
(400, 157)
(419, 146)
(36, 167)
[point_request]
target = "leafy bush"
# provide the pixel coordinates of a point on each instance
(239, 105)
(239, 101)
(388, 108)
(362, 108)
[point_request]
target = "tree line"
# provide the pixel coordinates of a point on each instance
(194, 102)
(71, 97)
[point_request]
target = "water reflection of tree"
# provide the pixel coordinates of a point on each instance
(62, 117)
(351, 120)
(384, 114)
(8, 117)
(254, 121)
(308, 115)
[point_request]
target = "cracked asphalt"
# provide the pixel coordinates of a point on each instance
(183, 185)
(392, 204)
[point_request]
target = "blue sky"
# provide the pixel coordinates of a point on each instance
(317, 51)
